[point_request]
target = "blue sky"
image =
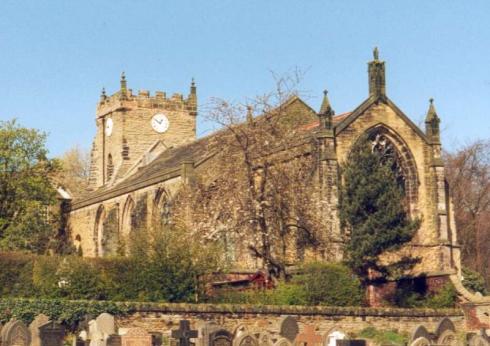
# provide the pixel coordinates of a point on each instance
(56, 55)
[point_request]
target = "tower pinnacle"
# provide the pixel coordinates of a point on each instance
(376, 70)
(326, 113)
(432, 122)
(124, 86)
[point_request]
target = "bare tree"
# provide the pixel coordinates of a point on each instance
(260, 190)
(469, 177)
(75, 164)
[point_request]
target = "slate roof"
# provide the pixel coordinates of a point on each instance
(168, 165)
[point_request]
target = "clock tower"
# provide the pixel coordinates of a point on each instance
(133, 128)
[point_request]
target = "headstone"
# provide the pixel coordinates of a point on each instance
(106, 324)
(448, 338)
(136, 337)
(239, 330)
(420, 332)
(477, 340)
(38, 321)
(309, 337)
(332, 337)
(288, 328)
(265, 339)
(184, 334)
(114, 340)
(220, 337)
(78, 341)
(95, 336)
(351, 342)
(420, 342)
(15, 333)
(444, 325)
(245, 339)
(52, 334)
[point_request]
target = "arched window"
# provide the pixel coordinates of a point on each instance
(99, 232)
(161, 215)
(396, 152)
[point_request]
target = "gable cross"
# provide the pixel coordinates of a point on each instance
(184, 333)
(309, 337)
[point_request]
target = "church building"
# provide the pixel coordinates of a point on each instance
(145, 149)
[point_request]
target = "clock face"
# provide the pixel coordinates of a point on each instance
(159, 123)
(108, 126)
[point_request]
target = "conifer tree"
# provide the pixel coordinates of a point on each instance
(373, 214)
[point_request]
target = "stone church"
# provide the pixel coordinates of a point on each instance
(145, 149)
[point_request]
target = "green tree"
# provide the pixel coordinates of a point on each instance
(372, 213)
(25, 189)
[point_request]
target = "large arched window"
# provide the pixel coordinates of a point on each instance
(396, 152)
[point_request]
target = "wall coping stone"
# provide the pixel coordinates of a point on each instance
(291, 310)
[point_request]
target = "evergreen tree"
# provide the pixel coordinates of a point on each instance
(373, 214)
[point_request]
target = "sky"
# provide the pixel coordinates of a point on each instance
(56, 55)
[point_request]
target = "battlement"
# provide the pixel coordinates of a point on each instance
(124, 99)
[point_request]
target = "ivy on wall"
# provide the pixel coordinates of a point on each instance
(139, 213)
(110, 239)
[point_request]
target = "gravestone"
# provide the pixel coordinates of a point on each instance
(184, 334)
(332, 337)
(265, 339)
(95, 335)
(220, 337)
(309, 337)
(136, 337)
(15, 333)
(447, 338)
(288, 328)
(39, 321)
(106, 324)
(420, 332)
(351, 342)
(444, 325)
(51, 334)
(245, 339)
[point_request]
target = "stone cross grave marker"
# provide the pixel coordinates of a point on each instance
(39, 321)
(288, 328)
(52, 334)
(309, 337)
(136, 337)
(15, 333)
(184, 334)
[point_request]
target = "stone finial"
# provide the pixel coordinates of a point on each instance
(192, 99)
(432, 122)
(326, 113)
(103, 95)
(124, 85)
(376, 53)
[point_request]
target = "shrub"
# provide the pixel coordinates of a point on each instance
(473, 281)
(330, 284)
(413, 294)
(319, 284)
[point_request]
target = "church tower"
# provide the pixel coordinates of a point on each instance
(133, 129)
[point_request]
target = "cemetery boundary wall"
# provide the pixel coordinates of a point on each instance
(349, 320)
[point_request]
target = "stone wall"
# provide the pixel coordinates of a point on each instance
(165, 317)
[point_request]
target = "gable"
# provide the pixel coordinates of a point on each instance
(371, 102)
